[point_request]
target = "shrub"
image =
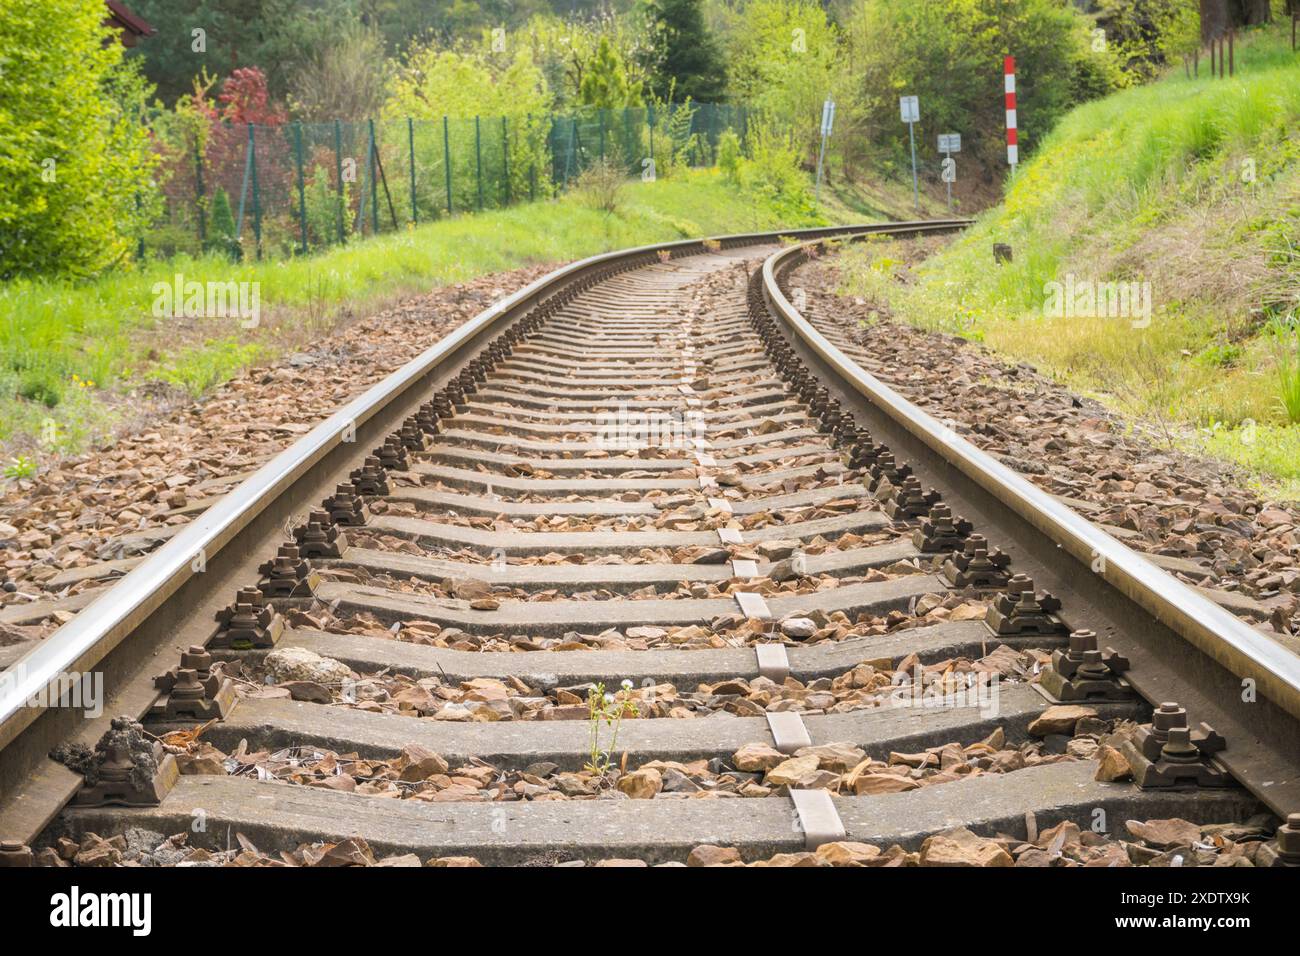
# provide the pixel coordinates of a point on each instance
(40, 385)
(601, 184)
(323, 207)
(221, 230)
(773, 173)
(729, 155)
(75, 169)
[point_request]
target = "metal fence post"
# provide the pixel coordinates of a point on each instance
(532, 167)
(199, 196)
(555, 155)
(410, 142)
(627, 136)
(338, 169)
(478, 161)
(574, 145)
(505, 155)
(302, 186)
(446, 159)
(374, 180)
(257, 194)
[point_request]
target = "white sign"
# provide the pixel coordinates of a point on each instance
(828, 117)
(910, 108)
(950, 142)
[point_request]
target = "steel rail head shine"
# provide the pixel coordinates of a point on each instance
(87, 639)
(1225, 638)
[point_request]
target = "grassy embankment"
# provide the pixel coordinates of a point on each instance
(1189, 188)
(69, 352)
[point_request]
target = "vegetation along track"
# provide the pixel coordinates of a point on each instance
(644, 483)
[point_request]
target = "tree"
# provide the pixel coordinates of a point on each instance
(950, 54)
(783, 58)
(1254, 12)
(343, 81)
(606, 84)
(1147, 34)
(437, 83)
(220, 36)
(684, 59)
(1215, 19)
(75, 163)
(564, 49)
(1219, 16)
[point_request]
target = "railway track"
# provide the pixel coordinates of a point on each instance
(644, 497)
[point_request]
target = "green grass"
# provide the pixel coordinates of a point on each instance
(1269, 450)
(881, 198)
(1191, 186)
(1286, 349)
(54, 335)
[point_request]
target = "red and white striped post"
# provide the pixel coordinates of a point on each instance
(1013, 152)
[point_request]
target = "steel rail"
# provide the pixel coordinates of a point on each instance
(1226, 639)
(27, 687)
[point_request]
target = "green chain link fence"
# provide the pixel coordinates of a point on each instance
(268, 191)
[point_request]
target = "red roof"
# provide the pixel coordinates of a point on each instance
(132, 25)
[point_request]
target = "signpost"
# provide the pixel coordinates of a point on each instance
(828, 121)
(1013, 152)
(949, 143)
(910, 108)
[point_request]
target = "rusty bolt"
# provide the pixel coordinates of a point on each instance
(1288, 839)
(1167, 717)
(13, 853)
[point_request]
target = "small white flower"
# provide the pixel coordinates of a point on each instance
(627, 684)
(609, 698)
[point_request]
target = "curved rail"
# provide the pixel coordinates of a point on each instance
(105, 623)
(1215, 631)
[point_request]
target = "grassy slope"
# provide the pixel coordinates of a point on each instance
(1150, 185)
(61, 343)
(881, 199)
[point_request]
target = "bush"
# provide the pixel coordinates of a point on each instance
(40, 385)
(601, 184)
(323, 207)
(729, 154)
(221, 230)
(773, 173)
(75, 170)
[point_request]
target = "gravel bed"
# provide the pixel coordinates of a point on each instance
(69, 514)
(1117, 473)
